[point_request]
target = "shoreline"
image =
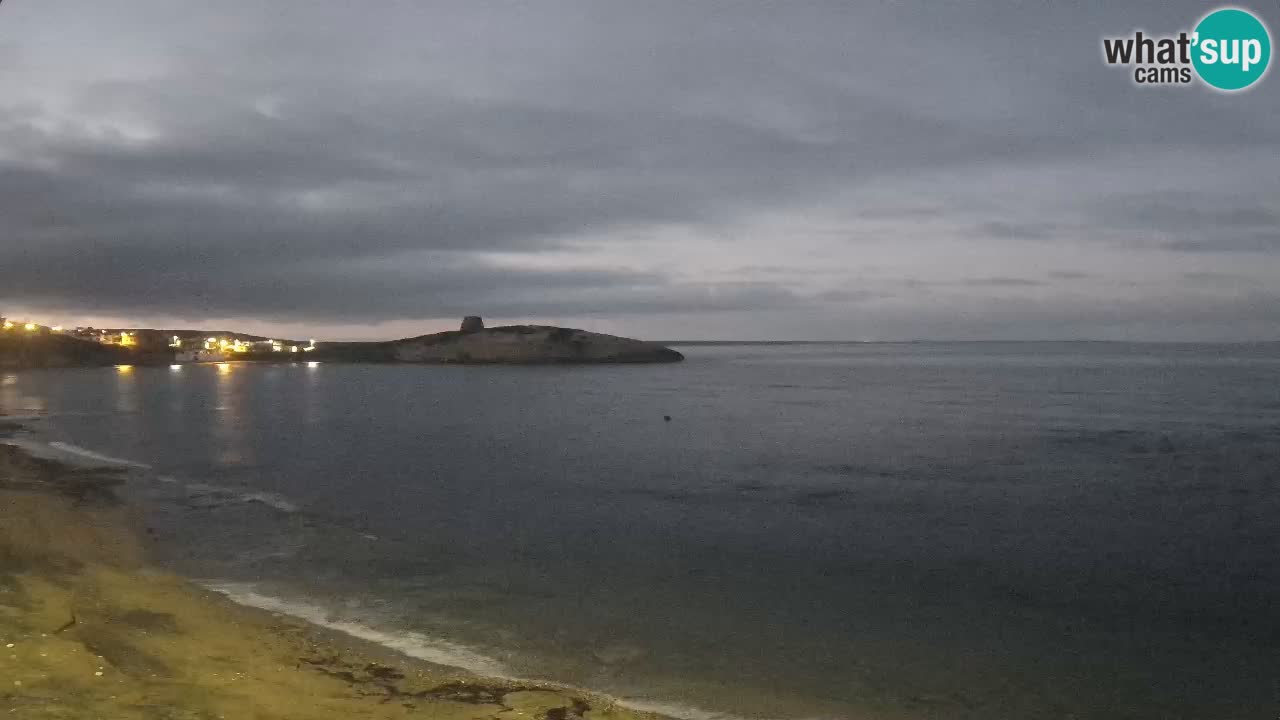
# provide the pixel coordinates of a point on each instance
(472, 344)
(89, 628)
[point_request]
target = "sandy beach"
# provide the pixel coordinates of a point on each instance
(89, 630)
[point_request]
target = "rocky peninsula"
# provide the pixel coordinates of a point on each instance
(473, 343)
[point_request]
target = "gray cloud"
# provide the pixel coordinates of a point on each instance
(851, 296)
(1220, 279)
(326, 163)
(1207, 221)
(1251, 241)
(1016, 230)
(999, 282)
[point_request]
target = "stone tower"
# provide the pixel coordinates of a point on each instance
(472, 323)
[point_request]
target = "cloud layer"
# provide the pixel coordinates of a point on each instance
(670, 169)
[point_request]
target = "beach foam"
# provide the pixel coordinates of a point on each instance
(435, 650)
(91, 455)
(68, 453)
(84, 457)
(413, 644)
(680, 712)
(270, 499)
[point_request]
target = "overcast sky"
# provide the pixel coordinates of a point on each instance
(745, 170)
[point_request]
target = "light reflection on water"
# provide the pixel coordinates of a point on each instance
(177, 400)
(312, 408)
(229, 421)
(13, 400)
(126, 390)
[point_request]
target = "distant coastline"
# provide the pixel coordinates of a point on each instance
(33, 345)
(1166, 343)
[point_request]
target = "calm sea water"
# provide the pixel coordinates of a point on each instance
(884, 531)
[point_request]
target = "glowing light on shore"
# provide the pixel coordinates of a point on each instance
(29, 327)
(8, 325)
(124, 369)
(224, 368)
(175, 368)
(313, 364)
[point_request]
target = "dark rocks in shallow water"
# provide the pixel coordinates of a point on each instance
(472, 323)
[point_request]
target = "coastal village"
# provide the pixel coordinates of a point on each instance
(184, 346)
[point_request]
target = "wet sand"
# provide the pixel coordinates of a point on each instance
(89, 630)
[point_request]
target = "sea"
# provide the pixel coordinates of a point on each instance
(899, 530)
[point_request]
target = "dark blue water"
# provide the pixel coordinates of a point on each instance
(897, 531)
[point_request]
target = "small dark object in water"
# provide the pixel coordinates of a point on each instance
(666, 418)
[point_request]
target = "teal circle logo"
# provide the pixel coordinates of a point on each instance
(1231, 49)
